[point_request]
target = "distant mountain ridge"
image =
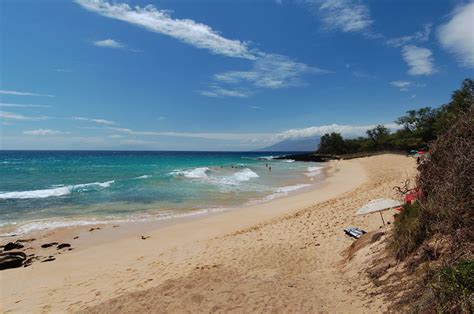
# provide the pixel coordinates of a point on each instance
(307, 144)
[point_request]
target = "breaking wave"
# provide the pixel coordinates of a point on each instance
(56, 191)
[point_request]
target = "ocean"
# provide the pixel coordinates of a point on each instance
(51, 189)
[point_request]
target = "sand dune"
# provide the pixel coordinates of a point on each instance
(281, 256)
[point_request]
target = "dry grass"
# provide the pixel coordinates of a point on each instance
(434, 237)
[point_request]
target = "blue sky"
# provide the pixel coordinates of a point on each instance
(221, 75)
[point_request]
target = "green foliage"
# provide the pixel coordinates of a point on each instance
(453, 287)
(332, 144)
(408, 232)
(419, 128)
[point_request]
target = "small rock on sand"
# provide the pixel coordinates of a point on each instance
(12, 246)
(46, 245)
(63, 245)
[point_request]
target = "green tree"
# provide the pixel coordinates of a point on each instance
(379, 136)
(332, 144)
(461, 100)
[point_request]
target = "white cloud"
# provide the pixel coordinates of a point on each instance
(421, 36)
(16, 116)
(43, 132)
(2, 104)
(343, 15)
(217, 91)
(115, 136)
(17, 93)
(108, 43)
(420, 60)
(265, 138)
(269, 71)
(402, 85)
(159, 21)
(99, 121)
(212, 136)
(345, 130)
(457, 35)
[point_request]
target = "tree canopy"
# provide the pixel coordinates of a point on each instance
(417, 128)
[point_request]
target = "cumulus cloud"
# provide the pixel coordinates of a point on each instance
(44, 132)
(420, 60)
(457, 35)
(99, 121)
(109, 43)
(343, 15)
(17, 93)
(16, 116)
(159, 21)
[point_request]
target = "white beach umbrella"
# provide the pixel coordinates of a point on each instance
(378, 205)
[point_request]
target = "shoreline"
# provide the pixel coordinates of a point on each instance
(112, 263)
(156, 217)
(114, 230)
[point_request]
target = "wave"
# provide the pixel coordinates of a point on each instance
(215, 176)
(266, 157)
(245, 175)
(146, 176)
(27, 227)
(285, 190)
(56, 191)
(196, 173)
(313, 171)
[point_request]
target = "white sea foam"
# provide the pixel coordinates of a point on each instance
(313, 171)
(287, 160)
(57, 191)
(146, 176)
(245, 175)
(215, 176)
(196, 173)
(267, 157)
(285, 190)
(31, 226)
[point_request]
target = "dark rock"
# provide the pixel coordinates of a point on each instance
(29, 261)
(49, 259)
(310, 157)
(12, 246)
(76, 237)
(63, 245)
(144, 238)
(11, 260)
(46, 245)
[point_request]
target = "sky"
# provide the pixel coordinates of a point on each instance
(221, 75)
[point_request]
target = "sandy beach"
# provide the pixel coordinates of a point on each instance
(285, 255)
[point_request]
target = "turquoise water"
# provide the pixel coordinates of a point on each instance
(46, 189)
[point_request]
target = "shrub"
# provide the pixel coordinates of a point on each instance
(408, 232)
(453, 287)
